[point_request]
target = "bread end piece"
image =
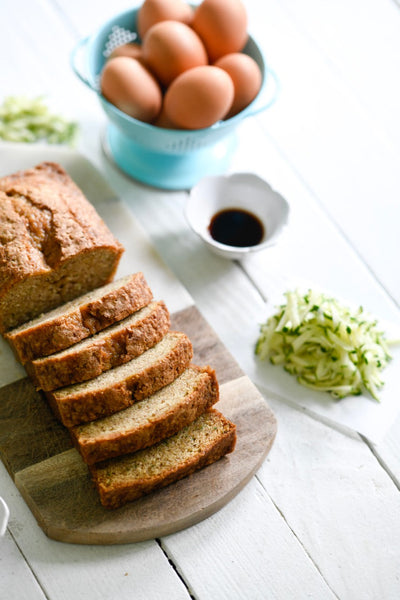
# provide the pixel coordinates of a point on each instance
(54, 246)
(124, 479)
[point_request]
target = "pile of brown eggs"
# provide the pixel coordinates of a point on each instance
(189, 70)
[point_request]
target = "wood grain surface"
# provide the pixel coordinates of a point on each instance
(55, 482)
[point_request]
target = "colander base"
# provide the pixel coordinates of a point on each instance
(168, 171)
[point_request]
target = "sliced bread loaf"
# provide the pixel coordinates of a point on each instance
(80, 318)
(151, 420)
(109, 348)
(122, 386)
(206, 440)
(53, 244)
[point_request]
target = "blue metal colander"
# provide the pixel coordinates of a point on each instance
(164, 158)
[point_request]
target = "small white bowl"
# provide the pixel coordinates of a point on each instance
(244, 191)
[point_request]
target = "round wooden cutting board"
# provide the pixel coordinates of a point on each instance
(55, 482)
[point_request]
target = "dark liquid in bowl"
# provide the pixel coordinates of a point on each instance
(236, 227)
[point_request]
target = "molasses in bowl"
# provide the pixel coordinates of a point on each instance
(237, 214)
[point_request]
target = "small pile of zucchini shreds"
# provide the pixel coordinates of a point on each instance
(326, 345)
(29, 120)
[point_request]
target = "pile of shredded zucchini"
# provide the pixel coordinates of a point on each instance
(326, 345)
(30, 120)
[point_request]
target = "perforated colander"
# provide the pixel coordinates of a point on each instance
(166, 158)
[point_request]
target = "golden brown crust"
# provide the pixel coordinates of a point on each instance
(115, 346)
(186, 409)
(114, 303)
(76, 404)
(116, 495)
(46, 222)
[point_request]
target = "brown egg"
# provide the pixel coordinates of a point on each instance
(170, 48)
(222, 25)
(246, 76)
(127, 84)
(132, 50)
(154, 11)
(199, 97)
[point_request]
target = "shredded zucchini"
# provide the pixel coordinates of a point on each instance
(30, 120)
(327, 346)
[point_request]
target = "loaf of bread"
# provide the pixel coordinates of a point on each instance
(126, 478)
(80, 318)
(124, 385)
(102, 350)
(105, 350)
(53, 244)
(151, 420)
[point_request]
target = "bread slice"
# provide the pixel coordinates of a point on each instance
(126, 478)
(153, 419)
(80, 318)
(122, 386)
(109, 348)
(53, 244)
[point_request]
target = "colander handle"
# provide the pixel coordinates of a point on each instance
(268, 95)
(76, 54)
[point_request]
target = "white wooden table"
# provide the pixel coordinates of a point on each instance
(321, 519)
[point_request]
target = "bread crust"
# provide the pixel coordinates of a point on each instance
(114, 495)
(46, 223)
(49, 335)
(116, 346)
(74, 405)
(186, 409)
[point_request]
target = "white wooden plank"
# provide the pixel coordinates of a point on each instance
(39, 65)
(83, 19)
(254, 554)
(331, 140)
(45, 68)
(16, 577)
(92, 572)
(341, 504)
(334, 172)
(360, 40)
(312, 247)
(388, 451)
